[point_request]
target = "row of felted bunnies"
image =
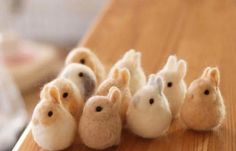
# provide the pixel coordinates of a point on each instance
(83, 101)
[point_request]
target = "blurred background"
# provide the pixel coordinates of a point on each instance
(35, 36)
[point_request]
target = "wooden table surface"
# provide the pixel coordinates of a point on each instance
(202, 32)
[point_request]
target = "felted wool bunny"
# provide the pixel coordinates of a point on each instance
(100, 124)
(120, 78)
(53, 127)
(82, 76)
(204, 108)
(69, 95)
(132, 61)
(87, 57)
(149, 115)
(175, 89)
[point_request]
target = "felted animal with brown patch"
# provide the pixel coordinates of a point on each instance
(120, 78)
(173, 74)
(53, 127)
(69, 95)
(87, 57)
(100, 124)
(83, 77)
(132, 61)
(204, 108)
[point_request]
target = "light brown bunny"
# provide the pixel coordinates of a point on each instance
(120, 78)
(69, 96)
(87, 57)
(53, 127)
(100, 124)
(204, 108)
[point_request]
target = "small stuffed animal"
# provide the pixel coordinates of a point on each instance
(204, 108)
(87, 57)
(132, 61)
(120, 78)
(82, 76)
(175, 89)
(100, 124)
(53, 127)
(149, 115)
(69, 95)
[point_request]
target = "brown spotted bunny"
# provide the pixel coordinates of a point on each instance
(53, 127)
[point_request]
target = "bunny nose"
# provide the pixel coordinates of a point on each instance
(50, 113)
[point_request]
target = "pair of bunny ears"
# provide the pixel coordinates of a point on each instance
(114, 95)
(122, 73)
(213, 73)
(157, 81)
(134, 56)
(174, 64)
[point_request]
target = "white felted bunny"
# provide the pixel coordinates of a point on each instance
(100, 124)
(203, 108)
(132, 61)
(82, 76)
(69, 95)
(175, 89)
(149, 115)
(53, 127)
(87, 57)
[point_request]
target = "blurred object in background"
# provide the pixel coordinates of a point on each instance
(13, 116)
(29, 63)
(62, 22)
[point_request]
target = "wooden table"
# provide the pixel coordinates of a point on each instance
(202, 32)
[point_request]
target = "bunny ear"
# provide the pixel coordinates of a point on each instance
(205, 72)
(182, 68)
(160, 85)
(44, 92)
(151, 79)
(171, 62)
(137, 58)
(125, 76)
(114, 95)
(54, 93)
(115, 73)
(129, 54)
(214, 75)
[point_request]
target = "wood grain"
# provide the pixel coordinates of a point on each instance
(202, 32)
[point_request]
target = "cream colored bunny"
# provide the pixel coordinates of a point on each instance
(120, 78)
(149, 115)
(132, 61)
(100, 124)
(82, 76)
(175, 89)
(69, 95)
(87, 57)
(53, 127)
(204, 108)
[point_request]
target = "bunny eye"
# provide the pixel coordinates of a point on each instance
(65, 95)
(50, 113)
(98, 109)
(82, 61)
(206, 92)
(81, 74)
(169, 84)
(151, 101)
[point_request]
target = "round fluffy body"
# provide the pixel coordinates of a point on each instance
(203, 108)
(100, 129)
(149, 115)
